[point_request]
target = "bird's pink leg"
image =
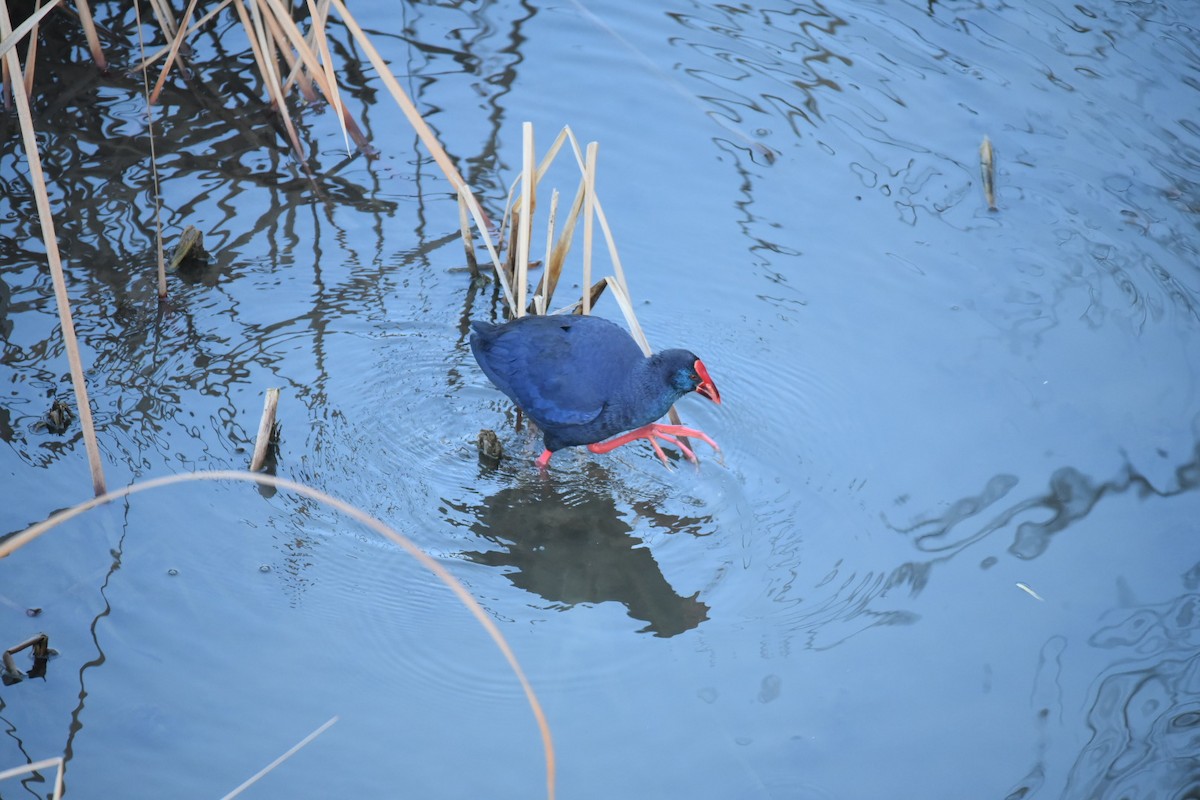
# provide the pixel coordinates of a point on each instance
(544, 459)
(687, 451)
(651, 432)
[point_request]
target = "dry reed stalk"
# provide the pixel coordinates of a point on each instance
(176, 42)
(265, 426)
(296, 74)
(525, 220)
(593, 295)
(410, 111)
(558, 255)
(309, 65)
(148, 61)
(56, 762)
(318, 14)
(263, 43)
(256, 777)
(13, 543)
(464, 227)
(50, 240)
(589, 216)
(166, 18)
(540, 298)
(31, 55)
(89, 32)
(18, 33)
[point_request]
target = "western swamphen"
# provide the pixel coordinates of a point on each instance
(583, 379)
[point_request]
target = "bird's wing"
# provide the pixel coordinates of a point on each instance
(560, 372)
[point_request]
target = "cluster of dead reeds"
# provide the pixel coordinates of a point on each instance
(290, 59)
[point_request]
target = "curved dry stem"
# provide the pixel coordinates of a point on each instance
(46, 763)
(452, 583)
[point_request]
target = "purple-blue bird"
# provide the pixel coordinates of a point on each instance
(583, 379)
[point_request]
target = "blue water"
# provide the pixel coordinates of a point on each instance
(949, 549)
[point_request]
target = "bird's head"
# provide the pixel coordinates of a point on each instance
(690, 375)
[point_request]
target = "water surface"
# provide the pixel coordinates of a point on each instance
(950, 548)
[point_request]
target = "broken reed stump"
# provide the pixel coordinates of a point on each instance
(265, 426)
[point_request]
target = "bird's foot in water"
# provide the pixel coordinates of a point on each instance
(653, 432)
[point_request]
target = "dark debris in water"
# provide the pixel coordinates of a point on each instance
(57, 420)
(490, 448)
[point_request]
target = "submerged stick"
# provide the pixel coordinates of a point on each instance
(987, 168)
(264, 430)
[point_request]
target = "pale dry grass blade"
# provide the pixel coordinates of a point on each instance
(600, 217)
(89, 31)
(21, 31)
(31, 55)
(50, 240)
(176, 42)
(593, 296)
(558, 255)
(540, 299)
(464, 228)
(265, 425)
(543, 165)
(589, 216)
(13, 543)
(45, 763)
(297, 74)
(264, 46)
(269, 767)
(525, 218)
(284, 28)
(410, 111)
(166, 18)
(621, 294)
(319, 14)
(147, 62)
(481, 226)
(311, 65)
(467, 201)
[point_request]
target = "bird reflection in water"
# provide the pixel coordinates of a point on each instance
(570, 544)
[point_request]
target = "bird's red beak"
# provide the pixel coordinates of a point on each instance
(706, 387)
